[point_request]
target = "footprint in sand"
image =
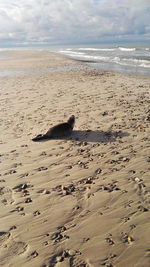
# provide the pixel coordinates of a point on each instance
(41, 169)
(6, 195)
(59, 235)
(10, 248)
(67, 258)
(4, 236)
(108, 260)
(24, 175)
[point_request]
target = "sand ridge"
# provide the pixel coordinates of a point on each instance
(81, 200)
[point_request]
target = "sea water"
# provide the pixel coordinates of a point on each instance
(132, 58)
(128, 58)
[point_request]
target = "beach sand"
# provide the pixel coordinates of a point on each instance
(82, 200)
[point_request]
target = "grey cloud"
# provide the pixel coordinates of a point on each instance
(72, 21)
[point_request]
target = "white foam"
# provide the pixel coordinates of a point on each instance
(71, 52)
(118, 58)
(145, 65)
(126, 49)
(137, 60)
(97, 49)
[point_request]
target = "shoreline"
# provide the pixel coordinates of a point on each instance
(81, 200)
(91, 64)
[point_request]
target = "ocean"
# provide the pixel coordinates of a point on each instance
(132, 58)
(127, 58)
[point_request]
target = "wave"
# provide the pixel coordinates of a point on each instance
(134, 60)
(69, 52)
(97, 49)
(126, 49)
(139, 62)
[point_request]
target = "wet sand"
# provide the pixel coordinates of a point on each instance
(81, 201)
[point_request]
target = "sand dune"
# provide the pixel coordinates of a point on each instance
(83, 200)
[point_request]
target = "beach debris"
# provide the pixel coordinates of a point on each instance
(36, 213)
(137, 180)
(69, 167)
(114, 152)
(28, 200)
(130, 239)
(45, 192)
(21, 187)
(104, 113)
(34, 254)
(97, 171)
(67, 190)
(126, 238)
(124, 159)
(88, 180)
(18, 208)
(131, 171)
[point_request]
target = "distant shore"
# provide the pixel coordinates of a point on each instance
(80, 200)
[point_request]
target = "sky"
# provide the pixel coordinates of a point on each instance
(58, 22)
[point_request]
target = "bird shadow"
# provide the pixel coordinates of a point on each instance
(92, 136)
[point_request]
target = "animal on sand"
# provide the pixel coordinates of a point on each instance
(58, 131)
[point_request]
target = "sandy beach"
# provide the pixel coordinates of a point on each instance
(83, 200)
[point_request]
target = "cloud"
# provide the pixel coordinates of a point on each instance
(73, 21)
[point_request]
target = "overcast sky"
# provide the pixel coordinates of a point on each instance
(73, 21)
